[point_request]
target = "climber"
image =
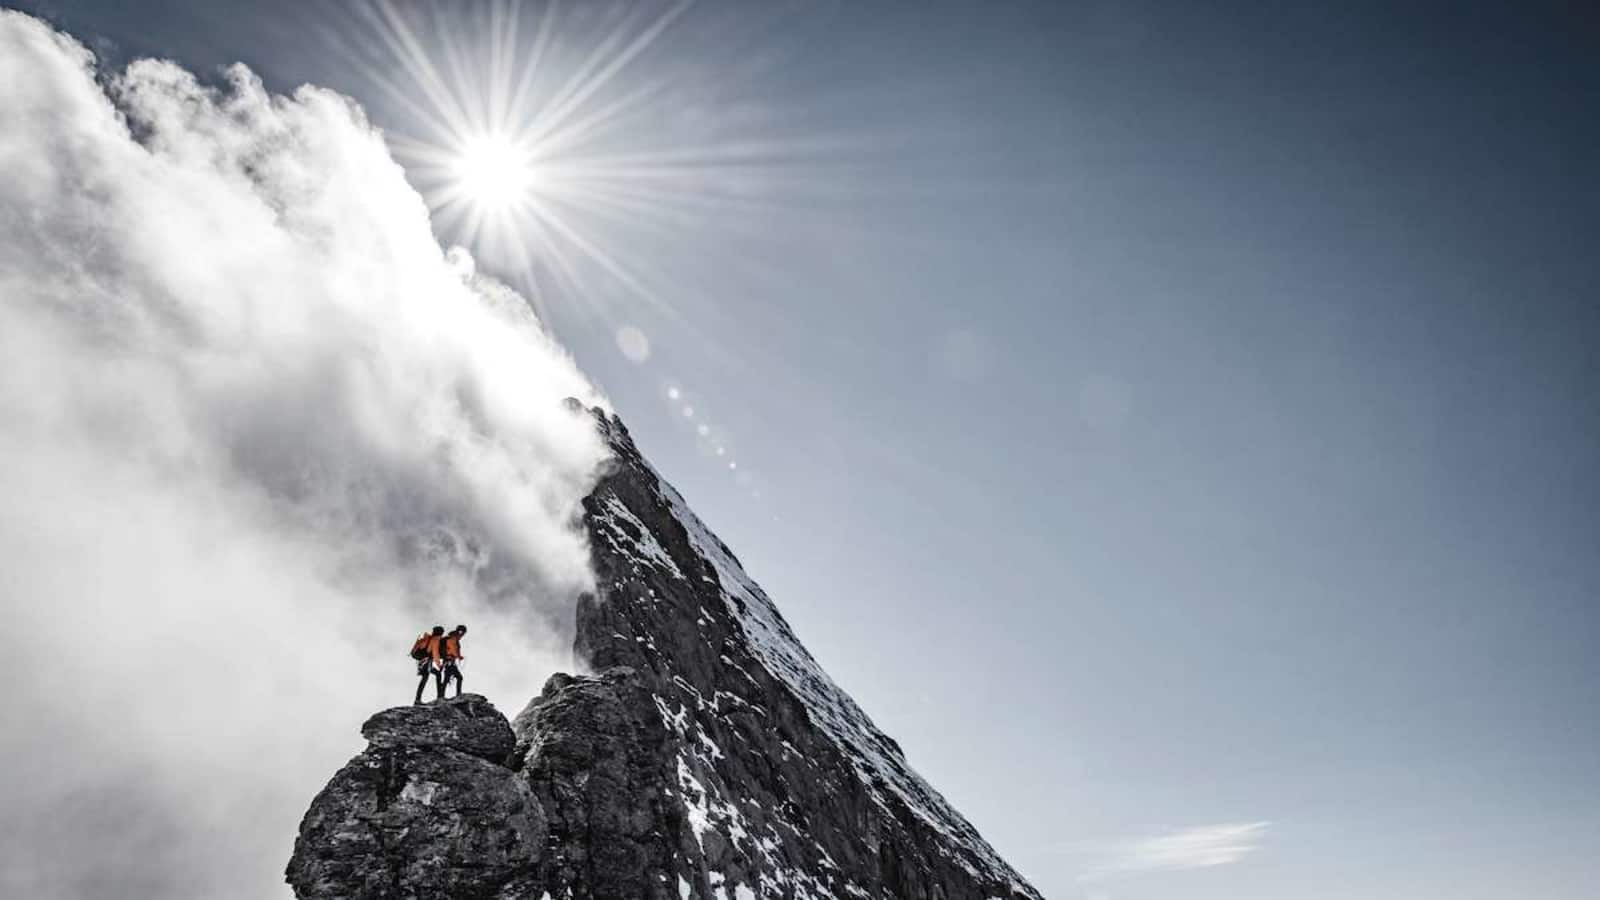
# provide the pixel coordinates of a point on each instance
(450, 650)
(427, 652)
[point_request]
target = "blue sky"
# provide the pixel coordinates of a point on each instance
(1163, 421)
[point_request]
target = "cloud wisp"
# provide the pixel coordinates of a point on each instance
(256, 428)
(1186, 848)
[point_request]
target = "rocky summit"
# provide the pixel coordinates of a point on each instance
(432, 808)
(710, 758)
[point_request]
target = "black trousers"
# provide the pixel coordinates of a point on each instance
(451, 670)
(424, 669)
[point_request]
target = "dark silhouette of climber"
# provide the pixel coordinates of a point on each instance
(427, 651)
(450, 650)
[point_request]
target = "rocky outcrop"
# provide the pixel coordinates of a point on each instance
(710, 758)
(430, 809)
(591, 748)
(468, 723)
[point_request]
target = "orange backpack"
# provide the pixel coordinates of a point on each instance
(419, 650)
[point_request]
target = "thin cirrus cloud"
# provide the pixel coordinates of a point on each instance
(1199, 847)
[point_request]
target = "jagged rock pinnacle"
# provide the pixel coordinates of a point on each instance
(429, 809)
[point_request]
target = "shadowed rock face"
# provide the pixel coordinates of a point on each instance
(710, 758)
(429, 809)
(591, 747)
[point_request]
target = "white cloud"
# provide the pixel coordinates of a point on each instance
(1187, 848)
(255, 430)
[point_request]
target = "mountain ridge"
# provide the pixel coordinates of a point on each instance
(711, 756)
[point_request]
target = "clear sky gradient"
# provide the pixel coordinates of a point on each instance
(1163, 419)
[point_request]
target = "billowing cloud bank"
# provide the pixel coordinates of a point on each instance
(255, 429)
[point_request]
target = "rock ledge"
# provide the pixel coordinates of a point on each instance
(468, 723)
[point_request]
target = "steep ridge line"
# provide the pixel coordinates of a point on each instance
(711, 757)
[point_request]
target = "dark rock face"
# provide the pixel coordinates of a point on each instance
(776, 783)
(591, 748)
(711, 757)
(468, 723)
(430, 809)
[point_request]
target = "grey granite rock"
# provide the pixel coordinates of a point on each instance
(423, 813)
(468, 723)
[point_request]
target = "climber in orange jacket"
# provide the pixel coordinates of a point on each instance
(450, 651)
(428, 651)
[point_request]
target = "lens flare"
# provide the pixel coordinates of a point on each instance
(592, 153)
(595, 155)
(494, 172)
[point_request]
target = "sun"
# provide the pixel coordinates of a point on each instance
(494, 172)
(538, 141)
